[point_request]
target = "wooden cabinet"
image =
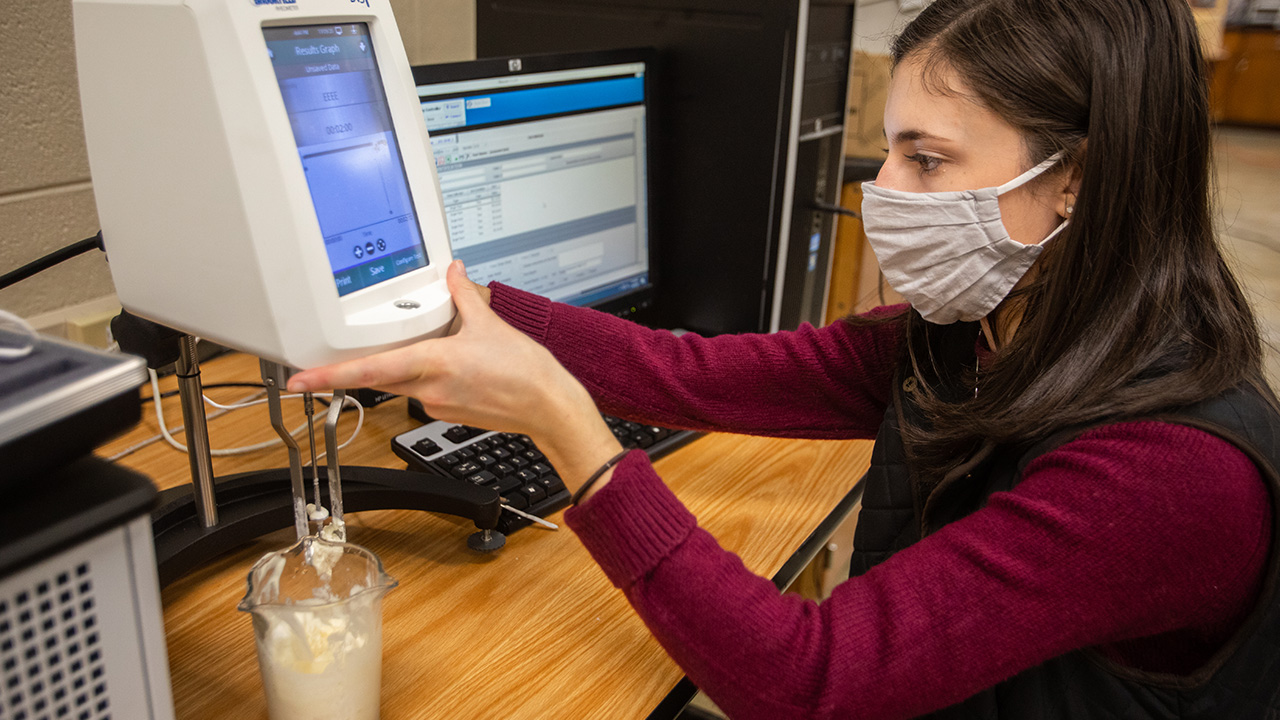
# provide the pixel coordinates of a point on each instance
(846, 258)
(856, 283)
(1245, 87)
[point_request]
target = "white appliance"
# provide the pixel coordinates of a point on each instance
(263, 174)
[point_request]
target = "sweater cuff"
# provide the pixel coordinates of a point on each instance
(632, 523)
(526, 312)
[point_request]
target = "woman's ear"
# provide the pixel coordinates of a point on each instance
(1070, 189)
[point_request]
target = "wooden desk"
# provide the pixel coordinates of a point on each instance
(532, 631)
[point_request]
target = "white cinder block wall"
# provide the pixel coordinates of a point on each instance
(46, 194)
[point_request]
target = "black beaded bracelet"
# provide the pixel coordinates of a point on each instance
(577, 496)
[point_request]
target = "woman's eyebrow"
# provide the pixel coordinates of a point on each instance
(905, 136)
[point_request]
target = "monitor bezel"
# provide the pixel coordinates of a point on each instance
(637, 301)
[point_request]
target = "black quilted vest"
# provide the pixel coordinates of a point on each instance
(1241, 682)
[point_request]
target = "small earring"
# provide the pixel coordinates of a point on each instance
(1070, 209)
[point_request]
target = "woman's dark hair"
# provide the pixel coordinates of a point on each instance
(1133, 309)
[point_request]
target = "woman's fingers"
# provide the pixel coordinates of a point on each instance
(467, 296)
(487, 374)
(470, 299)
(403, 365)
(393, 367)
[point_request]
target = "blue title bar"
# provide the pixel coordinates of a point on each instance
(443, 114)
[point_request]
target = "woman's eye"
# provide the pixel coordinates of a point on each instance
(927, 164)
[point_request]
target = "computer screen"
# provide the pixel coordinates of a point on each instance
(333, 94)
(544, 168)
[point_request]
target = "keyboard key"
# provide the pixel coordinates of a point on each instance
(502, 469)
(486, 460)
(458, 434)
(517, 500)
(482, 478)
(426, 448)
(642, 439)
(500, 453)
(541, 468)
(508, 484)
(551, 484)
(449, 460)
(527, 475)
(533, 493)
(465, 468)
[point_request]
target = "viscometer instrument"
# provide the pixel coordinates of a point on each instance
(264, 179)
(263, 173)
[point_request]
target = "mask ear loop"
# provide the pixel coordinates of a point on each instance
(1031, 174)
(13, 353)
(1056, 232)
(1027, 177)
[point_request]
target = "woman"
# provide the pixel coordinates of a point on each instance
(1070, 507)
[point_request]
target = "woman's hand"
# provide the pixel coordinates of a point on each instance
(487, 374)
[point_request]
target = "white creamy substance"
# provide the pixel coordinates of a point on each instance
(320, 657)
(324, 557)
(323, 661)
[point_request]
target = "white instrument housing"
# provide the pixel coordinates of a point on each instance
(263, 174)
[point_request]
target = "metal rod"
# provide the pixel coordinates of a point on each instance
(531, 517)
(273, 376)
(331, 450)
(191, 393)
(309, 407)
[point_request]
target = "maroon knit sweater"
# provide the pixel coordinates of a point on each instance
(1145, 540)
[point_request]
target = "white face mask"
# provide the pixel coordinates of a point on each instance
(948, 253)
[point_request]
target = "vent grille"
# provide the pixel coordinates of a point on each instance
(51, 661)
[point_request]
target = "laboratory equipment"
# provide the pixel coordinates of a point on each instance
(317, 622)
(753, 109)
(81, 631)
(254, 503)
(263, 177)
(262, 173)
(59, 401)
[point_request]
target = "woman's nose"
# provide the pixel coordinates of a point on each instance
(888, 177)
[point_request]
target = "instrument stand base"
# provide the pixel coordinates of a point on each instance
(256, 503)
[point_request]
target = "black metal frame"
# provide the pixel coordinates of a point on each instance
(256, 503)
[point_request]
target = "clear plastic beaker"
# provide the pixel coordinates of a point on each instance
(317, 619)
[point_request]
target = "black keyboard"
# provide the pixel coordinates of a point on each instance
(512, 464)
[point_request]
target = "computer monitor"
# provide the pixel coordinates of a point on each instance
(544, 172)
(262, 173)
